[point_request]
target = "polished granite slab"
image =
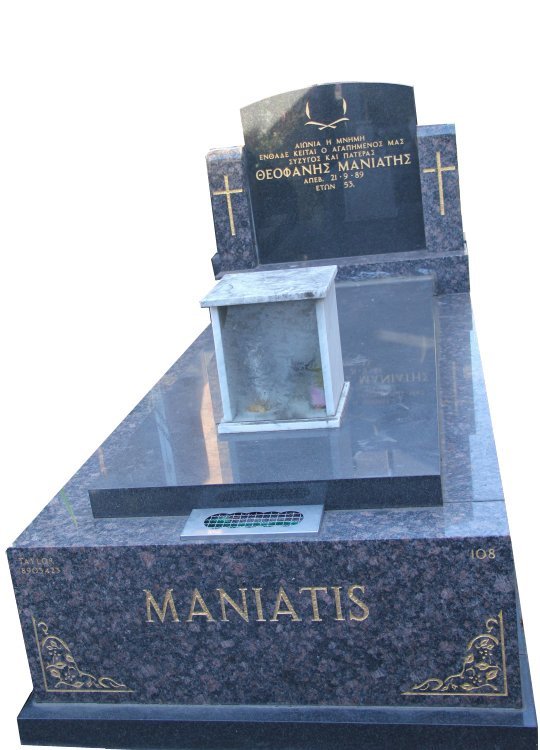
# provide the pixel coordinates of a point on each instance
(472, 490)
(385, 453)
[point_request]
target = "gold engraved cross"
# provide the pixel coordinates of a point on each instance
(439, 170)
(227, 193)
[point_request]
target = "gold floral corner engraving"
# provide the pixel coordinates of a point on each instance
(61, 674)
(483, 671)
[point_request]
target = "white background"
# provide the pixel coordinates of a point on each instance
(107, 111)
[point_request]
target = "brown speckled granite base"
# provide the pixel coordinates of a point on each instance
(412, 611)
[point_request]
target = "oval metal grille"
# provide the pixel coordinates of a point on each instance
(251, 519)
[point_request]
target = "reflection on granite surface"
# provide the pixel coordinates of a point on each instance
(386, 452)
(470, 467)
(150, 446)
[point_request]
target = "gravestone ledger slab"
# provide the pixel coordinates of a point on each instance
(395, 624)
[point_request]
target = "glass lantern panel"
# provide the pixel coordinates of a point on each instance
(273, 361)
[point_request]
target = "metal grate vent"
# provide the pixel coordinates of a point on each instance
(252, 519)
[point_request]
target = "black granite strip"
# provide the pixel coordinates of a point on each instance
(337, 494)
(294, 735)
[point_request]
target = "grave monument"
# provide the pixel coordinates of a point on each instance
(298, 538)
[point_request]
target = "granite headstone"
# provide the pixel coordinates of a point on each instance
(244, 243)
(333, 171)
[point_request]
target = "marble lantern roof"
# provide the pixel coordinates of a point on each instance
(271, 286)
